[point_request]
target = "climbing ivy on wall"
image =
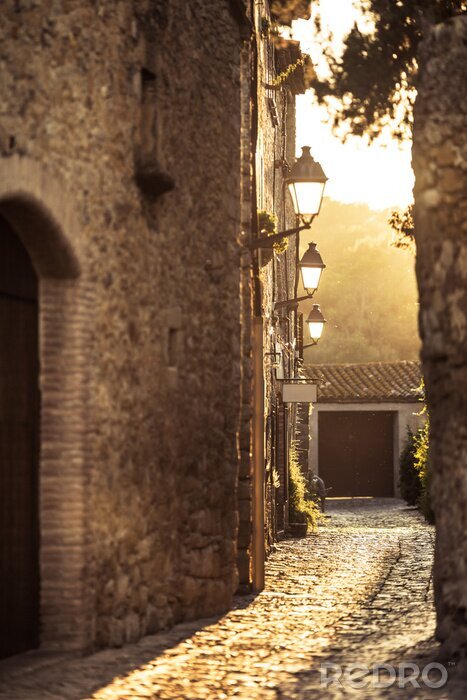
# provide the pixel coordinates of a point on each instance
(267, 225)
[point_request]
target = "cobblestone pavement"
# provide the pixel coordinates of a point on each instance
(359, 591)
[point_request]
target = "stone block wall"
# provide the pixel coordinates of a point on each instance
(244, 490)
(276, 150)
(117, 102)
(440, 164)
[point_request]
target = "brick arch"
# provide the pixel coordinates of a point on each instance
(39, 210)
(36, 205)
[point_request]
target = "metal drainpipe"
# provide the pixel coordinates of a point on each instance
(258, 545)
(297, 260)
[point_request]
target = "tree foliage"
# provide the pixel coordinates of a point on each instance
(285, 11)
(374, 80)
(402, 224)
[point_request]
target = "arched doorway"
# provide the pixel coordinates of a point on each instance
(42, 237)
(19, 447)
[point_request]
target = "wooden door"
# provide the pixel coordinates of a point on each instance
(19, 448)
(280, 433)
(356, 452)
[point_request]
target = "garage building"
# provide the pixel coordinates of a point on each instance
(358, 426)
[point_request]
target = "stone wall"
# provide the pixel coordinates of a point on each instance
(267, 137)
(244, 492)
(118, 101)
(276, 149)
(277, 142)
(440, 162)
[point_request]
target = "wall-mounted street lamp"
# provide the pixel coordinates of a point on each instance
(315, 323)
(311, 267)
(306, 181)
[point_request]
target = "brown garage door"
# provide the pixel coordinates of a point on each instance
(356, 452)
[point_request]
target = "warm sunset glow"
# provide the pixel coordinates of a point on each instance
(379, 174)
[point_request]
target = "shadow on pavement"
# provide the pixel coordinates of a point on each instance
(37, 676)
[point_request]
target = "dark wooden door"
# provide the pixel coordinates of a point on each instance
(280, 433)
(356, 452)
(19, 441)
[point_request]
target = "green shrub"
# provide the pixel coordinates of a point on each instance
(415, 466)
(414, 477)
(422, 465)
(409, 477)
(301, 508)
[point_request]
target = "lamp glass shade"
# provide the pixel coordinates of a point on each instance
(316, 329)
(306, 182)
(311, 267)
(306, 197)
(315, 322)
(311, 277)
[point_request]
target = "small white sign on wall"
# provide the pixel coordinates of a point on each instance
(279, 365)
(299, 392)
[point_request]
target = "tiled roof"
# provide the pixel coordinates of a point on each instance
(362, 383)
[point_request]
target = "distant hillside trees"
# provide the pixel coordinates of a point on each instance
(368, 292)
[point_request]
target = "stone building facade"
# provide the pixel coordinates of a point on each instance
(120, 178)
(282, 328)
(278, 269)
(440, 163)
(137, 141)
(267, 151)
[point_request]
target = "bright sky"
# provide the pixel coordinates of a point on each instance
(379, 175)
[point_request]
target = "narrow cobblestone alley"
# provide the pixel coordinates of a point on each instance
(357, 592)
